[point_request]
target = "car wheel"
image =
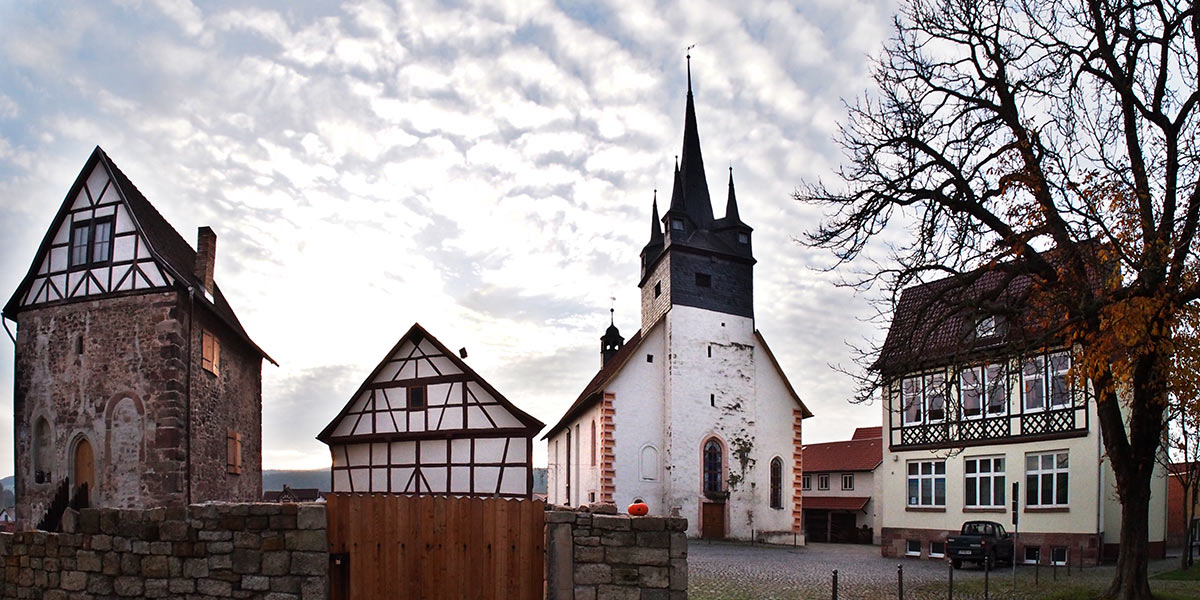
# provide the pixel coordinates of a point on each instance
(956, 563)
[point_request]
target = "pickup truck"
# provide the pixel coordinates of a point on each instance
(983, 542)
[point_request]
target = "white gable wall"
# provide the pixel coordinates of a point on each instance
(639, 418)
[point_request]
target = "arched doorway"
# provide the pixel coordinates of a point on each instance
(85, 471)
(712, 505)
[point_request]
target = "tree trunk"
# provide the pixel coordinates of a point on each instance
(1131, 581)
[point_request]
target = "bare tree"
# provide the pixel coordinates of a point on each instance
(1055, 141)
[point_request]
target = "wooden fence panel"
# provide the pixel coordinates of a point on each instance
(437, 547)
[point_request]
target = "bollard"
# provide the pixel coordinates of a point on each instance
(987, 572)
(950, 588)
(1037, 571)
(835, 584)
(900, 580)
(1053, 567)
(1068, 561)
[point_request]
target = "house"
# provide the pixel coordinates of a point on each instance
(692, 414)
(423, 422)
(1177, 498)
(982, 417)
(135, 385)
(290, 494)
(841, 502)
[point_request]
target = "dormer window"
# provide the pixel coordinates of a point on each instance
(676, 224)
(743, 238)
(91, 242)
(986, 327)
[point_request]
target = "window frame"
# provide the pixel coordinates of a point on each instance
(90, 258)
(934, 553)
(848, 477)
(906, 401)
(712, 466)
(930, 382)
(424, 397)
(776, 483)
(806, 482)
(933, 477)
(823, 482)
(997, 481)
(1039, 474)
(908, 547)
(210, 352)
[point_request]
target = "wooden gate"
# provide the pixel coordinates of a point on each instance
(433, 547)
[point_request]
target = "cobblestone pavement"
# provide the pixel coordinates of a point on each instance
(739, 571)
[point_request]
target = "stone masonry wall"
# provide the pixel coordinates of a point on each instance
(276, 551)
(595, 556)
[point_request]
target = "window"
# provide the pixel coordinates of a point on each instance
(595, 442)
(649, 358)
(937, 549)
(848, 481)
(984, 482)
(591, 496)
(233, 453)
(657, 289)
(1033, 554)
(676, 224)
(1045, 383)
(776, 482)
(43, 451)
(1033, 383)
(927, 483)
(712, 467)
(1058, 365)
(210, 352)
(710, 350)
(703, 280)
(712, 400)
(1058, 556)
(910, 400)
(985, 327)
(743, 238)
(970, 392)
(91, 242)
(806, 482)
(79, 344)
(996, 383)
(416, 399)
(912, 548)
(1046, 479)
(980, 385)
(935, 397)
(823, 481)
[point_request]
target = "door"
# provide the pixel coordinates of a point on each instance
(816, 525)
(85, 471)
(712, 521)
(841, 528)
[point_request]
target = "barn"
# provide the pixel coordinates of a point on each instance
(424, 422)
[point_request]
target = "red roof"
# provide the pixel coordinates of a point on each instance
(852, 455)
(836, 502)
(867, 433)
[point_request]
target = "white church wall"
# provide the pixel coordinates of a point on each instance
(639, 418)
(775, 438)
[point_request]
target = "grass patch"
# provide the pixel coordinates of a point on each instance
(1189, 574)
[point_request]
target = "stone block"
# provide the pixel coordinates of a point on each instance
(314, 588)
(264, 509)
(585, 592)
(615, 592)
(310, 563)
(156, 588)
(276, 563)
(593, 573)
(181, 586)
(287, 585)
(70, 521)
(214, 536)
(648, 523)
(131, 564)
(155, 566)
(679, 545)
(89, 521)
(214, 587)
(88, 561)
(257, 523)
(256, 583)
(654, 539)
(73, 581)
(611, 522)
(676, 524)
(283, 522)
(246, 561)
(587, 541)
(219, 547)
(101, 542)
(129, 586)
(658, 557)
(195, 568)
(311, 540)
(559, 516)
(652, 594)
(99, 585)
(280, 596)
(272, 541)
(311, 516)
(220, 561)
(589, 554)
(247, 539)
(625, 575)
(597, 508)
(654, 577)
(618, 538)
(173, 531)
(679, 574)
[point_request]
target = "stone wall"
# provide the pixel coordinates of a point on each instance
(592, 556)
(201, 551)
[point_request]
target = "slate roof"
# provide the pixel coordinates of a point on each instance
(850, 455)
(293, 495)
(852, 503)
(165, 243)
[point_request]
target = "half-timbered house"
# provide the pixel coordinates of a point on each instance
(978, 397)
(693, 414)
(423, 422)
(135, 383)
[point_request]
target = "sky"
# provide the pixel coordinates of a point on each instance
(485, 169)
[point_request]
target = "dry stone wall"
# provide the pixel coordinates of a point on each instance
(276, 551)
(606, 556)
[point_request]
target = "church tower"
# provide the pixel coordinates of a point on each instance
(692, 414)
(692, 258)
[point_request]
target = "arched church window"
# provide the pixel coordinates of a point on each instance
(712, 466)
(43, 451)
(776, 482)
(648, 463)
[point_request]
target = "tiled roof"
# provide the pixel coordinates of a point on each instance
(836, 502)
(591, 392)
(867, 433)
(851, 455)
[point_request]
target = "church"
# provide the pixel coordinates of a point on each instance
(692, 414)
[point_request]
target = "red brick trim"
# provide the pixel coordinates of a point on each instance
(797, 472)
(607, 443)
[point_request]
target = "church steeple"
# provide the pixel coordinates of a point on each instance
(656, 234)
(611, 342)
(696, 200)
(731, 211)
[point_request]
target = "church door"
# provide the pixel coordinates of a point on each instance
(712, 520)
(85, 468)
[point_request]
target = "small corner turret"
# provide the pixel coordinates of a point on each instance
(611, 342)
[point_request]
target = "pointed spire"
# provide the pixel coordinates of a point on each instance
(677, 202)
(731, 211)
(695, 185)
(656, 234)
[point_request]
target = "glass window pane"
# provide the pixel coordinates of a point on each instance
(970, 465)
(940, 467)
(998, 465)
(1047, 461)
(1061, 492)
(1047, 496)
(1031, 490)
(926, 491)
(926, 468)
(971, 492)
(939, 491)
(1062, 460)
(912, 468)
(913, 492)
(100, 246)
(1031, 462)
(998, 491)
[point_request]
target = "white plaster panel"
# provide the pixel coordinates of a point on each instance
(63, 235)
(358, 454)
(489, 450)
(416, 421)
(433, 451)
(445, 365)
(96, 181)
(153, 276)
(123, 249)
(402, 479)
(435, 478)
(502, 417)
(361, 479)
(341, 481)
(476, 418)
(444, 393)
(516, 450)
(387, 373)
(57, 260)
(514, 481)
(460, 480)
(104, 211)
(345, 426)
(379, 480)
(486, 478)
(404, 452)
(124, 223)
(460, 450)
(81, 201)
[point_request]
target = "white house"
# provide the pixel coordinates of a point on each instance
(977, 401)
(424, 422)
(693, 414)
(841, 495)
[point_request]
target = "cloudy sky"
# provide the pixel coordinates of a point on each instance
(485, 169)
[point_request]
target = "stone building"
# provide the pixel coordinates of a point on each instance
(135, 384)
(693, 414)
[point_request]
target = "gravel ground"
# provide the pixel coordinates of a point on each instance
(732, 571)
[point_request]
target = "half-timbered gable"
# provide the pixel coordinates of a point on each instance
(424, 422)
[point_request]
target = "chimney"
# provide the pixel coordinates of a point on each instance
(206, 257)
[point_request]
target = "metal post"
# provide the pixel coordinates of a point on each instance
(1037, 572)
(900, 580)
(1053, 565)
(987, 572)
(835, 584)
(950, 588)
(1068, 561)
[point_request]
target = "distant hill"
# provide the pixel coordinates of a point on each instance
(273, 480)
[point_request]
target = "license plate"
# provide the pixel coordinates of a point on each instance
(964, 552)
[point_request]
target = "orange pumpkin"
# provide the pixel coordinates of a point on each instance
(639, 509)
